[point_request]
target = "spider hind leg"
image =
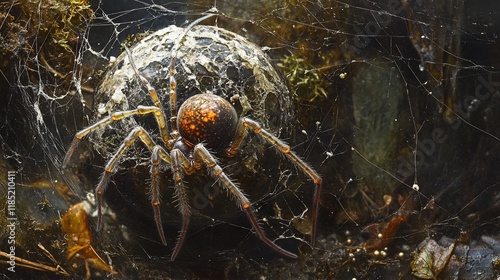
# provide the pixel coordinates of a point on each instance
(249, 124)
(201, 154)
(180, 165)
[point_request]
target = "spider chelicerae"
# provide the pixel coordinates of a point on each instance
(205, 125)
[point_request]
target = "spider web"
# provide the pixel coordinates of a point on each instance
(396, 106)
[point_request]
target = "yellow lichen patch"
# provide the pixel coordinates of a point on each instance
(62, 19)
(305, 81)
(59, 24)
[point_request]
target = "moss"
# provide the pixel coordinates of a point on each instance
(43, 33)
(305, 81)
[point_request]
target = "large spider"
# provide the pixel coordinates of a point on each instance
(205, 124)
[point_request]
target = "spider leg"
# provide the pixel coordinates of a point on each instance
(160, 117)
(247, 123)
(157, 154)
(141, 110)
(202, 155)
(173, 83)
(179, 164)
(110, 166)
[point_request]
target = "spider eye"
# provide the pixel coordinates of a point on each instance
(207, 118)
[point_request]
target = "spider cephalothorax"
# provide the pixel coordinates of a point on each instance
(206, 125)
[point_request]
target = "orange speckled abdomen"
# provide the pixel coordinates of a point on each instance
(207, 118)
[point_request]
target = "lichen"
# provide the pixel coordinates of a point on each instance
(305, 82)
(43, 33)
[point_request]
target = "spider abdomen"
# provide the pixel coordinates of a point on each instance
(207, 118)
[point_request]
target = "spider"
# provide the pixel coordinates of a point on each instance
(205, 126)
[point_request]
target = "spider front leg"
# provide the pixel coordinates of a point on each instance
(141, 110)
(247, 123)
(202, 155)
(173, 85)
(145, 138)
(160, 118)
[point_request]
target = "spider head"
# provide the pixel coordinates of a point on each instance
(207, 118)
